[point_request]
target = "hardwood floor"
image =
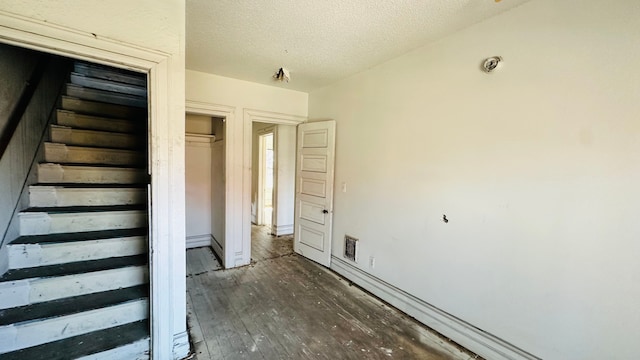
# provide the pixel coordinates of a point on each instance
(201, 260)
(284, 306)
(265, 246)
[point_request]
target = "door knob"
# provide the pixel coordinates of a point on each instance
(325, 211)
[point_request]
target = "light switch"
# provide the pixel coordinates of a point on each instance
(344, 187)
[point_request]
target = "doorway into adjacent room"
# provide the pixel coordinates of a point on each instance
(265, 179)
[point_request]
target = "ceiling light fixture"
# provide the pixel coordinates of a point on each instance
(491, 64)
(282, 75)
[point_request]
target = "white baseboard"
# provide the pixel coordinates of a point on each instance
(280, 230)
(181, 345)
(198, 241)
(463, 333)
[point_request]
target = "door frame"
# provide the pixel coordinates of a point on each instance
(227, 249)
(169, 338)
(249, 117)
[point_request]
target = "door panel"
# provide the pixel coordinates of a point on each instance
(314, 163)
(315, 139)
(312, 212)
(313, 187)
(314, 190)
(312, 238)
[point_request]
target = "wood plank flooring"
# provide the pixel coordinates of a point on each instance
(201, 260)
(265, 246)
(284, 306)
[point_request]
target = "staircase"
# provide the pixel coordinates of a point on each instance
(77, 284)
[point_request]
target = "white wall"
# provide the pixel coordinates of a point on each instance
(242, 97)
(16, 67)
(285, 179)
(198, 172)
(159, 26)
(23, 149)
(535, 166)
(198, 190)
(198, 124)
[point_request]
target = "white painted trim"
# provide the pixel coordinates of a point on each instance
(463, 333)
(280, 230)
(249, 116)
(208, 109)
(180, 345)
(167, 272)
(273, 117)
(233, 176)
(198, 241)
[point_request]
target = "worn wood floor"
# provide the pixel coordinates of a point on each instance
(284, 306)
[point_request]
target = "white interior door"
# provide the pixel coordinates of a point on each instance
(314, 190)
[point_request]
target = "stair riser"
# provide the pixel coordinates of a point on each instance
(54, 173)
(71, 119)
(107, 85)
(32, 255)
(102, 73)
(35, 223)
(102, 109)
(60, 153)
(138, 350)
(50, 196)
(105, 96)
(19, 336)
(31, 291)
(69, 136)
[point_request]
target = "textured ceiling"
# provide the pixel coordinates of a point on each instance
(319, 41)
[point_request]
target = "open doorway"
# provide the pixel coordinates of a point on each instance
(265, 178)
(273, 190)
(205, 192)
(83, 170)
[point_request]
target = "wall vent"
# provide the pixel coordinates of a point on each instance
(350, 247)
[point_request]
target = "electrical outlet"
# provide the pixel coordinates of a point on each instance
(372, 262)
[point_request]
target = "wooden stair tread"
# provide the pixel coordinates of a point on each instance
(72, 305)
(112, 74)
(107, 85)
(97, 148)
(90, 186)
(79, 267)
(136, 167)
(80, 121)
(85, 344)
(84, 209)
(78, 236)
(105, 109)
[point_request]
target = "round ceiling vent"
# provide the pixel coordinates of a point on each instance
(492, 63)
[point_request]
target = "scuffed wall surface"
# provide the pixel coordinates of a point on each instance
(15, 164)
(535, 167)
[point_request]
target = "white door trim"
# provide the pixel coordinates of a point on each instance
(167, 273)
(232, 188)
